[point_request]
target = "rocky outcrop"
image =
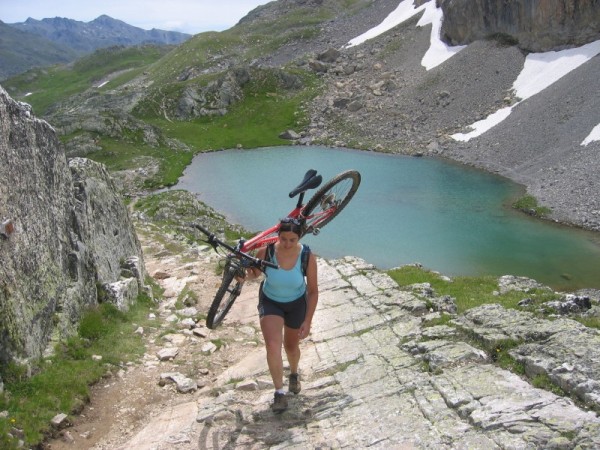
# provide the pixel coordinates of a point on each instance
(216, 98)
(536, 25)
(65, 235)
(377, 351)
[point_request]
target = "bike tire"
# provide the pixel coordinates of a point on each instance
(219, 309)
(329, 200)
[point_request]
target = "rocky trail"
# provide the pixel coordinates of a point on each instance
(374, 374)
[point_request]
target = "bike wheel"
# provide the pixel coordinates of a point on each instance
(229, 290)
(329, 200)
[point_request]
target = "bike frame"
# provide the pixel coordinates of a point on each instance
(270, 235)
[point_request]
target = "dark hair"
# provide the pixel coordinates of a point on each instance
(292, 224)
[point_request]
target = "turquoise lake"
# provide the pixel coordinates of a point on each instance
(448, 217)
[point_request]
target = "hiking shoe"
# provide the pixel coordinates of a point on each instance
(294, 386)
(280, 403)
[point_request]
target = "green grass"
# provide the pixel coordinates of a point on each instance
(444, 319)
(244, 42)
(256, 121)
(60, 384)
(590, 322)
(529, 204)
(543, 381)
(199, 52)
(468, 292)
(120, 154)
(51, 85)
(265, 110)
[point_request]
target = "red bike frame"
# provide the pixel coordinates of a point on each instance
(268, 236)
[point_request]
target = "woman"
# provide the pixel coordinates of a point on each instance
(287, 303)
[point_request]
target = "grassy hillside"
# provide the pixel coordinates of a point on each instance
(256, 121)
(43, 88)
(146, 85)
(265, 110)
(18, 49)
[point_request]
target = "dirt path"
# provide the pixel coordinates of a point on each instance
(374, 373)
(122, 404)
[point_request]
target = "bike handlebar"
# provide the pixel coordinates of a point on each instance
(214, 241)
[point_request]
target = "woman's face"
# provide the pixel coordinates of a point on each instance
(288, 239)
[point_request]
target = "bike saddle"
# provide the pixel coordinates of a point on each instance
(311, 180)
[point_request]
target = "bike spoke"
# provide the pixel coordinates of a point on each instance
(315, 219)
(330, 200)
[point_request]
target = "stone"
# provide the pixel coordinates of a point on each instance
(175, 338)
(122, 293)
(73, 211)
(60, 421)
(189, 312)
(167, 354)
(329, 56)
(187, 323)
(209, 347)
(184, 384)
(247, 385)
(201, 331)
(290, 135)
(318, 66)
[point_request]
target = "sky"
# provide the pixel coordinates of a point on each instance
(539, 71)
(187, 16)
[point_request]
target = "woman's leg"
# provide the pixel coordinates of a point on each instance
(291, 343)
(272, 327)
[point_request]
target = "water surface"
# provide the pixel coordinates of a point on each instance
(445, 216)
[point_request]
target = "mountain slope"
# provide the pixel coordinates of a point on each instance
(104, 31)
(40, 43)
(19, 51)
(287, 63)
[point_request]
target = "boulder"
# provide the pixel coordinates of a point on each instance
(290, 135)
(66, 232)
(534, 25)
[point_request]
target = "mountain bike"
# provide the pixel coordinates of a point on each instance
(321, 209)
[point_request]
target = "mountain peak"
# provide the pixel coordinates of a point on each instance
(104, 19)
(76, 38)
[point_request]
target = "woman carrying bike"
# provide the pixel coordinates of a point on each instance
(287, 302)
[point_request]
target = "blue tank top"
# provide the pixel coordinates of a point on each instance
(285, 285)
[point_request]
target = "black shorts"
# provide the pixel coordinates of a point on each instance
(293, 312)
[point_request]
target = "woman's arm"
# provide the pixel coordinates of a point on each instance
(312, 295)
(255, 272)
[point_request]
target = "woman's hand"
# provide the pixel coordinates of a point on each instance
(249, 274)
(304, 330)
(241, 278)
